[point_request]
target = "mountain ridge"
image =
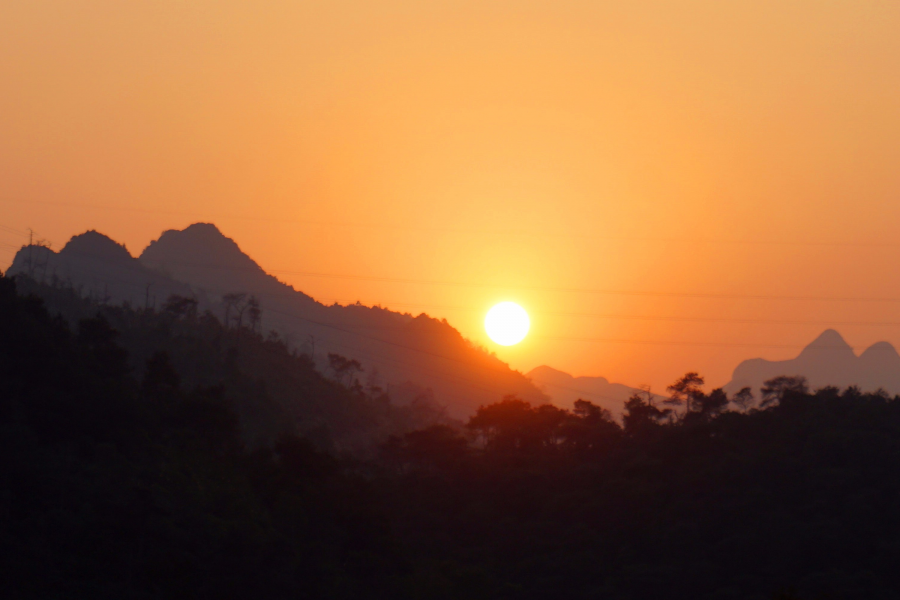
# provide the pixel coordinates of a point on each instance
(827, 361)
(99, 267)
(201, 262)
(564, 389)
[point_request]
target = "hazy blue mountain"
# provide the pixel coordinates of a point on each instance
(565, 389)
(395, 349)
(827, 360)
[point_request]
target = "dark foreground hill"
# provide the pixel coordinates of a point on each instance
(202, 263)
(272, 390)
(124, 483)
(114, 486)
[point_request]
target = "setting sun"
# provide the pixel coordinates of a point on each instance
(507, 323)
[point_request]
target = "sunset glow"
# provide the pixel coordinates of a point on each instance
(646, 150)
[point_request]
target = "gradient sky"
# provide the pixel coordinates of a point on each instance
(442, 156)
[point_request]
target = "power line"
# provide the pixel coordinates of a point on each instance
(323, 324)
(682, 343)
(612, 292)
(13, 230)
(507, 370)
(410, 367)
(600, 340)
(291, 294)
(413, 368)
(355, 332)
(675, 319)
(467, 231)
(599, 291)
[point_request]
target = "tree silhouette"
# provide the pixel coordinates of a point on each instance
(775, 389)
(590, 428)
(233, 302)
(144, 473)
(254, 314)
(641, 414)
(181, 307)
(513, 423)
(743, 398)
(709, 405)
(344, 368)
(99, 338)
(436, 448)
(686, 392)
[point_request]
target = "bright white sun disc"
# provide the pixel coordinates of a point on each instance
(507, 323)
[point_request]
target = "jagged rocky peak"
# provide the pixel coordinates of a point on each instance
(93, 244)
(201, 244)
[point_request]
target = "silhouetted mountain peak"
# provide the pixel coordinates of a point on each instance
(829, 338)
(203, 229)
(882, 356)
(94, 244)
(831, 341)
(198, 245)
(880, 349)
(199, 261)
(827, 361)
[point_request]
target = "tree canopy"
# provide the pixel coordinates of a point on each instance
(128, 471)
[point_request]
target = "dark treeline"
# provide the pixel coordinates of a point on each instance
(272, 389)
(126, 478)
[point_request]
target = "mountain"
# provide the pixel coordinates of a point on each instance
(271, 390)
(398, 351)
(827, 360)
(99, 268)
(201, 256)
(565, 389)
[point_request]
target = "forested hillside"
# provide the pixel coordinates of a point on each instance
(200, 262)
(272, 389)
(128, 472)
(116, 486)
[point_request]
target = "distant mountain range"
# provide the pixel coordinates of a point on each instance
(828, 360)
(565, 389)
(412, 355)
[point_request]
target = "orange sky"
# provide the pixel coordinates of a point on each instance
(530, 151)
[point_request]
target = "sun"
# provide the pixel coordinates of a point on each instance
(507, 323)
